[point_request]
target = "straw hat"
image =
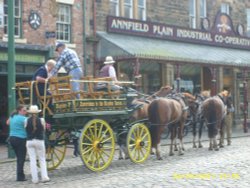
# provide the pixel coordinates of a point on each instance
(33, 109)
(109, 60)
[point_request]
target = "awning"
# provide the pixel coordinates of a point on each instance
(141, 47)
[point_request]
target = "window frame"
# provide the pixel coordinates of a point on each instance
(131, 8)
(143, 8)
(225, 8)
(203, 9)
(116, 4)
(63, 24)
(193, 14)
(18, 18)
(248, 22)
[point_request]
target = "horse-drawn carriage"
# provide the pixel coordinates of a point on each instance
(102, 118)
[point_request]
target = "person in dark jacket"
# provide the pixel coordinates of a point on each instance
(41, 75)
(35, 128)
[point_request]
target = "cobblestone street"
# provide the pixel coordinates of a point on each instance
(228, 167)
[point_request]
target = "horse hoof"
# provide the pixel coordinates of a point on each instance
(194, 146)
(181, 153)
(159, 158)
(171, 154)
(216, 149)
(221, 146)
(175, 149)
(210, 149)
(120, 158)
(152, 153)
(200, 146)
(126, 158)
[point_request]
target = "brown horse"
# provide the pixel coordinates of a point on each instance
(171, 112)
(213, 110)
(141, 113)
(194, 103)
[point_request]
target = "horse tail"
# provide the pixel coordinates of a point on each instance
(211, 119)
(154, 119)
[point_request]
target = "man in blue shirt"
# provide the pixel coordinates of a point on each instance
(71, 63)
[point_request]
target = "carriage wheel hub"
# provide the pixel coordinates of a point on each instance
(139, 143)
(97, 145)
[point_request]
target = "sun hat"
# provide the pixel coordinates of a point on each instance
(59, 44)
(109, 60)
(33, 109)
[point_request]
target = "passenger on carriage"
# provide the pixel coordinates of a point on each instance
(108, 70)
(41, 75)
(68, 59)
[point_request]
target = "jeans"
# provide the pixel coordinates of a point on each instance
(19, 146)
(36, 148)
(76, 74)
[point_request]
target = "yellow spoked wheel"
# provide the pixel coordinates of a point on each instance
(55, 149)
(97, 145)
(138, 143)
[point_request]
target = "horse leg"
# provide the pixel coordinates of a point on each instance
(171, 153)
(151, 151)
(200, 133)
(158, 153)
(125, 150)
(210, 144)
(120, 153)
(194, 135)
(215, 146)
(180, 136)
(222, 135)
(176, 130)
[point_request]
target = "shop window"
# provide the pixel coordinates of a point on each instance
(17, 18)
(150, 80)
(1, 13)
(3, 68)
(114, 7)
(192, 13)
(248, 21)
(141, 10)
(225, 8)
(194, 9)
(203, 8)
(128, 8)
(63, 23)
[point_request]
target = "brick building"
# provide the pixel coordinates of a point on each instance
(38, 26)
(202, 43)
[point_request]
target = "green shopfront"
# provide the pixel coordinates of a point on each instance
(154, 54)
(28, 58)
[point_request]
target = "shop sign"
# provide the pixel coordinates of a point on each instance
(221, 34)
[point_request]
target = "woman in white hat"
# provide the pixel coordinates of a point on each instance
(35, 128)
(108, 70)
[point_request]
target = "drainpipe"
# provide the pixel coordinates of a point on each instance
(245, 102)
(213, 73)
(84, 38)
(178, 78)
(94, 35)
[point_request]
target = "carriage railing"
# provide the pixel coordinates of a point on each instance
(61, 91)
